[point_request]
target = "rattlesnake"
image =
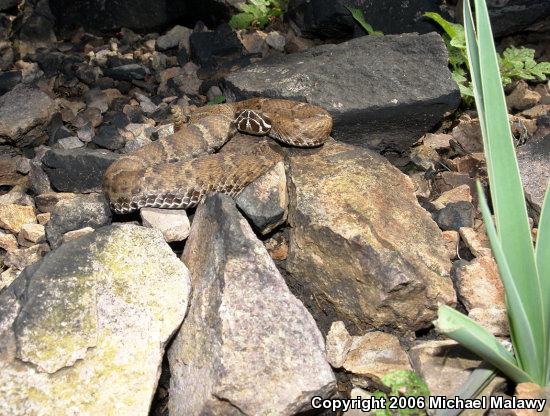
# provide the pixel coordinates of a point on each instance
(177, 171)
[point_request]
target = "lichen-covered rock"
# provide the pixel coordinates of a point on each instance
(247, 345)
(360, 243)
(83, 331)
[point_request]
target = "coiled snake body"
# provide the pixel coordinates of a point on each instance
(176, 172)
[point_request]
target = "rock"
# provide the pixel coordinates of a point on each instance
(455, 215)
(17, 195)
(35, 233)
(247, 345)
(7, 276)
(8, 242)
(13, 217)
(375, 354)
(514, 16)
(43, 217)
(264, 202)
(24, 257)
(23, 166)
(522, 97)
(480, 290)
(163, 131)
(77, 170)
(534, 166)
(458, 194)
(8, 80)
(172, 38)
(173, 224)
(276, 41)
(476, 241)
(208, 48)
(330, 19)
(99, 16)
(47, 201)
(467, 133)
(8, 172)
(526, 391)
(365, 84)
(72, 235)
(7, 4)
(67, 143)
(254, 41)
(452, 239)
(373, 258)
(79, 212)
(23, 109)
(443, 365)
(437, 141)
(109, 137)
(126, 72)
(339, 342)
(85, 324)
(277, 247)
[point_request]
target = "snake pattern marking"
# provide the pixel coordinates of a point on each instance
(179, 170)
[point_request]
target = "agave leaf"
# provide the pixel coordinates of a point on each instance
(514, 236)
(542, 254)
(478, 379)
(478, 340)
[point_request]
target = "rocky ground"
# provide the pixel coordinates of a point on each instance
(320, 278)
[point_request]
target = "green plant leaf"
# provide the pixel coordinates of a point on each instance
(542, 255)
(357, 14)
(241, 21)
(478, 340)
(478, 379)
(454, 30)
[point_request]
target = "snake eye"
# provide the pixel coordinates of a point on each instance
(251, 122)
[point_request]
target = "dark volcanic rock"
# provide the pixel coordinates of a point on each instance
(76, 213)
(77, 170)
(106, 15)
(330, 18)
(372, 86)
(109, 138)
(207, 48)
(516, 15)
(8, 80)
(455, 216)
(126, 72)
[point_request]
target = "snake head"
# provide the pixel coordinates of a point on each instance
(253, 122)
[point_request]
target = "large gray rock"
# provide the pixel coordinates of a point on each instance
(360, 244)
(371, 86)
(83, 331)
(247, 345)
(76, 213)
(24, 112)
(534, 165)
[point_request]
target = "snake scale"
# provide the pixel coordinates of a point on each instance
(179, 170)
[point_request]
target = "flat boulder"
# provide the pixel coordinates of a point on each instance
(85, 328)
(360, 244)
(247, 345)
(370, 85)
